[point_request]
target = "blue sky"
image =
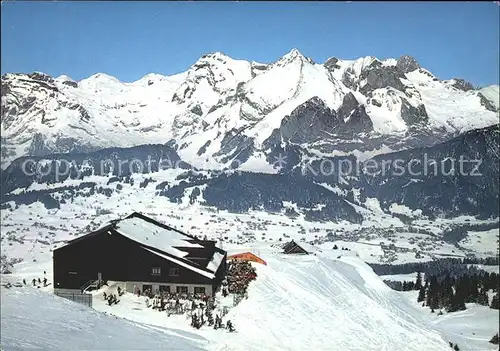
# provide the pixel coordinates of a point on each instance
(130, 39)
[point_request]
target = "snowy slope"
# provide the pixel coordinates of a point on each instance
(326, 304)
(316, 302)
(449, 107)
(217, 96)
(35, 320)
(492, 93)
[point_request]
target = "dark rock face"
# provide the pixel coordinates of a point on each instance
(41, 77)
(70, 83)
(331, 64)
(309, 121)
(487, 103)
(203, 149)
(407, 64)
(378, 77)
(237, 147)
(5, 87)
(314, 121)
(197, 110)
(354, 116)
(462, 84)
(413, 115)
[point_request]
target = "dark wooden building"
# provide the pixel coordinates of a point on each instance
(139, 252)
(292, 247)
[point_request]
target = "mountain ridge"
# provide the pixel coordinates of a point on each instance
(219, 98)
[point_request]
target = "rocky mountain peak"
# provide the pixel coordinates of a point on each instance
(331, 64)
(407, 64)
(41, 77)
(212, 58)
(462, 84)
(293, 56)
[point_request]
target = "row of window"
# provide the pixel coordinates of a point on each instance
(179, 289)
(172, 272)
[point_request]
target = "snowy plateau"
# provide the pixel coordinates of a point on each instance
(222, 125)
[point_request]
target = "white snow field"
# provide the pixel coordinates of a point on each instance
(32, 319)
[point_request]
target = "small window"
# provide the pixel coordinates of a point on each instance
(173, 272)
(155, 271)
(165, 288)
(199, 290)
(182, 289)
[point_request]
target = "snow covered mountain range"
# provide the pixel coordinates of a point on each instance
(223, 110)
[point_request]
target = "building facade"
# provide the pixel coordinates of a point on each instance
(140, 253)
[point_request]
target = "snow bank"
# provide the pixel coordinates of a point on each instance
(32, 319)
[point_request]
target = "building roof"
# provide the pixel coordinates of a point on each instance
(181, 263)
(162, 240)
(215, 261)
(310, 249)
(150, 234)
(247, 256)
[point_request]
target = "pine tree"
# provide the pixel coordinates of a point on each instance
(418, 283)
(495, 302)
(433, 293)
(471, 285)
(457, 302)
(456, 348)
(482, 298)
(495, 340)
(421, 295)
(447, 292)
(411, 286)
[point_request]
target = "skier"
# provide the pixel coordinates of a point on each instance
(39, 281)
(34, 281)
(24, 281)
(45, 281)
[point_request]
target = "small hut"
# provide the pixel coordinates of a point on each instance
(303, 248)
